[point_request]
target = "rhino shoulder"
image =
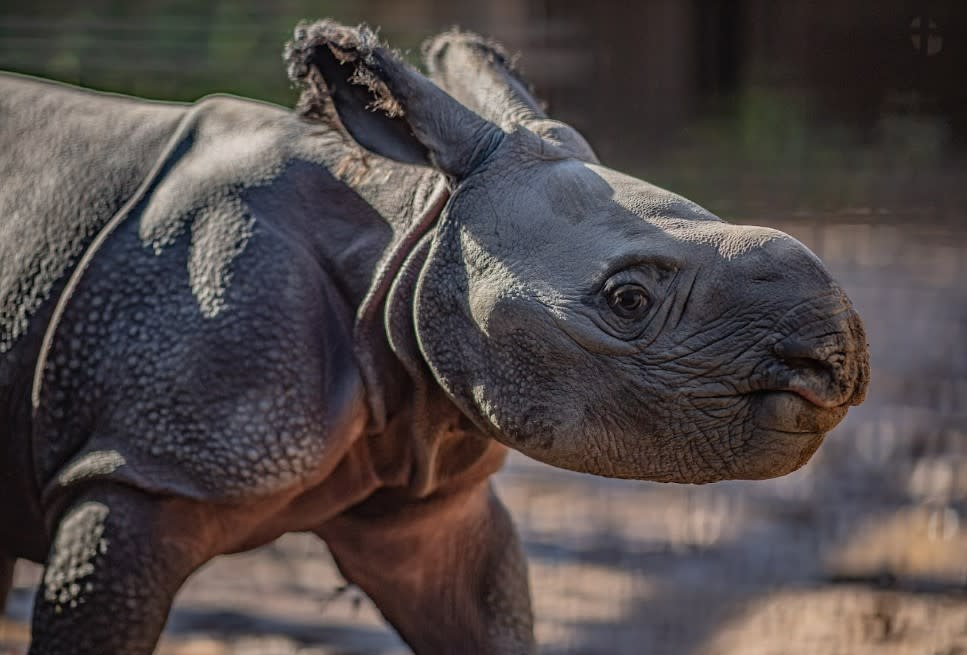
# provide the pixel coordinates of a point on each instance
(204, 350)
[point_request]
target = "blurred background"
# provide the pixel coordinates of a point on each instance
(843, 123)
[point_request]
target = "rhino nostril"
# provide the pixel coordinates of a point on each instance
(806, 364)
(818, 371)
(798, 355)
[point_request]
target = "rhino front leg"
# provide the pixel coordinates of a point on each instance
(117, 559)
(448, 573)
(6, 579)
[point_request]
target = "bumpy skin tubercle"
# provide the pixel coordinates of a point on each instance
(226, 321)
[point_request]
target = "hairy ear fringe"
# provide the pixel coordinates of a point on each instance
(352, 46)
(435, 47)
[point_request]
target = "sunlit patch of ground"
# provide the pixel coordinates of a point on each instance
(845, 620)
(926, 544)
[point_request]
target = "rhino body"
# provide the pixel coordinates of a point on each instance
(224, 321)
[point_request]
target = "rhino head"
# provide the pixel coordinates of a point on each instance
(579, 315)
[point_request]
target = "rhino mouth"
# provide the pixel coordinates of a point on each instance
(788, 427)
(764, 432)
(795, 412)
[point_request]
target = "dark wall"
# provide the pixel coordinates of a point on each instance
(650, 68)
(858, 61)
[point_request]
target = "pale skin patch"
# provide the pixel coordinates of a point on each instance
(80, 540)
(99, 463)
(217, 240)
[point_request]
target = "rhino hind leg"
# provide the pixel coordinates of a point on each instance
(6, 579)
(117, 559)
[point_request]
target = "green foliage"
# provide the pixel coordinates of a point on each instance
(164, 49)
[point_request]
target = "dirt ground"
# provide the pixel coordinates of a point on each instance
(863, 551)
(627, 568)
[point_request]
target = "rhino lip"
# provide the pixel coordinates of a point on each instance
(822, 386)
(798, 410)
(811, 396)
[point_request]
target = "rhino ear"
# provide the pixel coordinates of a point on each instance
(386, 106)
(479, 73)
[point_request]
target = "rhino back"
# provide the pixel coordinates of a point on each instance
(70, 159)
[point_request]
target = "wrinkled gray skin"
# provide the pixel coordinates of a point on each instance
(226, 321)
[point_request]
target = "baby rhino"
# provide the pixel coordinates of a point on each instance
(224, 321)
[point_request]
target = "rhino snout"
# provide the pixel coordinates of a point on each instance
(831, 370)
(817, 349)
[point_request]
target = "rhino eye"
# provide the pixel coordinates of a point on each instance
(628, 300)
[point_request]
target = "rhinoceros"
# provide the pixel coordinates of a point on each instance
(225, 321)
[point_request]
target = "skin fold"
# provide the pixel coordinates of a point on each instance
(225, 321)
